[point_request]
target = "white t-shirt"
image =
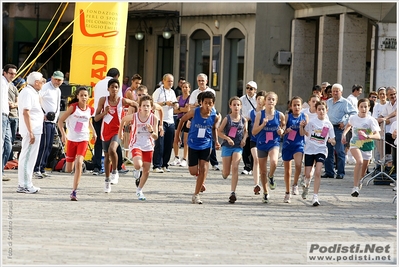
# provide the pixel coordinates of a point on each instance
(367, 124)
(4, 95)
(319, 131)
(353, 100)
(29, 99)
(78, 124)
(101, 89)
(378, 108)
(246, 105)
(50, 98)
(164, 95)
(196, 92)
(389, 108)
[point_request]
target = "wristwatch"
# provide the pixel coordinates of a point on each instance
(164, 103)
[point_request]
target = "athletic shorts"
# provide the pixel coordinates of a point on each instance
(75, 149)
(365, 154)
(146, 156)
(252, 144)
(310, 159)
(184, 129)
(287, 153)
(194, 156)
(228, 151)
(264, 154)
(107, 143)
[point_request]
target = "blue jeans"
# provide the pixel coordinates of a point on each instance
(340, 149)
(6, 138)
(46, 145)
(14, 128)
(163, 146)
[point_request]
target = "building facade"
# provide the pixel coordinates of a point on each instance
(285, 47)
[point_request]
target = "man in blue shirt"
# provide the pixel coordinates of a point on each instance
(339, 111)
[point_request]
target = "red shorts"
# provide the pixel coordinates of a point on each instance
(75, 149)
(146, 156)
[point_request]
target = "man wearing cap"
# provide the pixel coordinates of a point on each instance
(50, 99)
(248, 104)
(9, 72)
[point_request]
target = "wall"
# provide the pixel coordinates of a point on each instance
(272, 34)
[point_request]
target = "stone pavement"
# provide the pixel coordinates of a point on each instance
(117, 229)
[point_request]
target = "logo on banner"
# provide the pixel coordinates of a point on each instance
(98, 20)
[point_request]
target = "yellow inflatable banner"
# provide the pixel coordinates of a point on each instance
(98, 43)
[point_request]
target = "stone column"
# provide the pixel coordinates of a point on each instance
(352, 51)
(303, 58)
(327, 64)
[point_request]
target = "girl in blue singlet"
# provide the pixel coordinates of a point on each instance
(268, 126)
(293, 146)
(200, 137)
(260, 105)
(233, 130)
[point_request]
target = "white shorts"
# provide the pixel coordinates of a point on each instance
(365, 154)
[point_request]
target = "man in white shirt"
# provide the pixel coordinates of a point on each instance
(248, 104)
(50, 99)
(166, 97)
(9, 72)
(389, 115)
(100, 90)
(30, 127)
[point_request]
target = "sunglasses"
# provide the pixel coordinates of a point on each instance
(250, 88)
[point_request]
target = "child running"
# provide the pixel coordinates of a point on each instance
(293, 146)
(319, 131)
(78, 122)
(269, 125)
(260, 105)
(183, 108)
(144, 130)
(200, 138)
(233, 130)
(365, 128)
(110, 110)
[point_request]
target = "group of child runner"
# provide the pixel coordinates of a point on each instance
(303, 131)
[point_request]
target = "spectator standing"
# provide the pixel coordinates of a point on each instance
(9, 72)
(323, 90)
(125, 84)
(13, 116)
(30, 128)
(182, 109)
(166, 97)
(179, 88)
(50, 99)
(339, 110)
(377, 114)
(248, 104)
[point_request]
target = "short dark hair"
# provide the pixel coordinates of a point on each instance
(136, 77)
(316, 88)
(113, 81)
(356, 87)
(9, 66)
(206, 94)
(113, 72)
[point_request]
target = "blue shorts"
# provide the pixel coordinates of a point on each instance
(287, 153)
(228, 151)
